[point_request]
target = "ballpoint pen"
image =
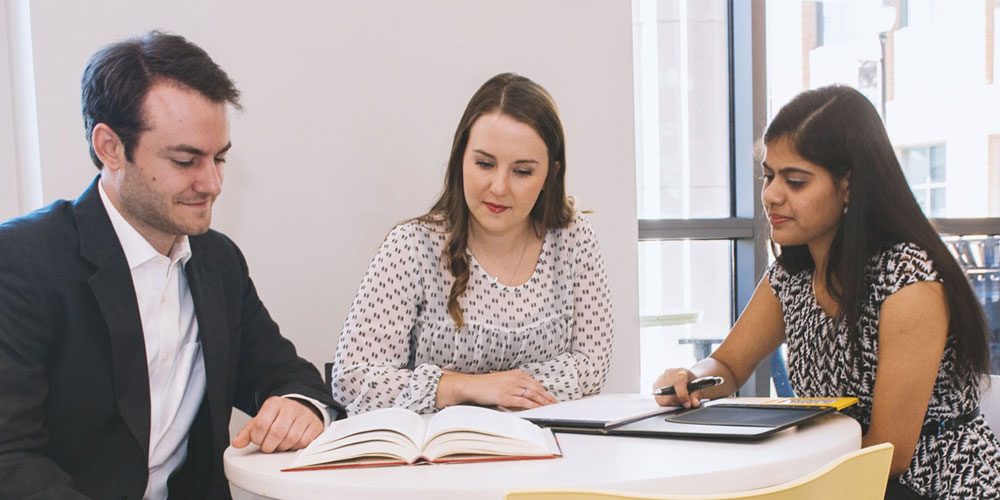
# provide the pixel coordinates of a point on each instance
(694, 385)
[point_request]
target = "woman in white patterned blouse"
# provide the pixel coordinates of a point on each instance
(498, 295)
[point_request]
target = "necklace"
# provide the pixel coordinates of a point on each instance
(520, 259)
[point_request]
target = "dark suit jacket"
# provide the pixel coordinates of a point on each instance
(74, 388)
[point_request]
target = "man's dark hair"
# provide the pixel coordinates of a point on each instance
(118, 77)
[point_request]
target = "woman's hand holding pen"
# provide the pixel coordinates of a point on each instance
(678, 378)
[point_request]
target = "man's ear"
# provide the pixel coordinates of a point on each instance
(108, 146)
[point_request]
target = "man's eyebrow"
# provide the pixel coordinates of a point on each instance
(185, 148)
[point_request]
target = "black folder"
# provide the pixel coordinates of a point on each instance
(730, 422)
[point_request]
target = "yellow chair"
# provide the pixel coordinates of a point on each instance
(859, 475)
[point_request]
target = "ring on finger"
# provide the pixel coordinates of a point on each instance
(523, 390)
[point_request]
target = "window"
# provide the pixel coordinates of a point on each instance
(924, 168)
(992, 40)
(683, 109)
(979, 256)
(686, 302)
(698, 259)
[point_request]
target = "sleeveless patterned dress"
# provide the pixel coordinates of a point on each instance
(961, 462)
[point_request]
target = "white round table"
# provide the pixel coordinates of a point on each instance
(645, 465)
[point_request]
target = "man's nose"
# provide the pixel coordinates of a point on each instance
(209, 178)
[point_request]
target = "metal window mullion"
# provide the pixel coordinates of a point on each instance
(696, 229)
(749, 113)
(956, 226)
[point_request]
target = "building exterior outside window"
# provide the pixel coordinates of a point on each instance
(924, 167)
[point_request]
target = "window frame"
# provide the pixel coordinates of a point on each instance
(747, 111)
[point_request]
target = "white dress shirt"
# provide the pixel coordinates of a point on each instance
(173, 352)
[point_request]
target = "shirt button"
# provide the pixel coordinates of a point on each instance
(163, 299)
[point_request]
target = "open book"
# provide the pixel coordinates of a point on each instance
(394, 436)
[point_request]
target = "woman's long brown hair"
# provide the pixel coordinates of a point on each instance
(527, 102)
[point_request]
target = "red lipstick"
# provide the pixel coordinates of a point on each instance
(497, 209)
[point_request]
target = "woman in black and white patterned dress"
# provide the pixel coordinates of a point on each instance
(869, 299)
(498, 296)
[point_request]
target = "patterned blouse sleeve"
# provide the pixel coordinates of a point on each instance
(583, 369)
(776, 276)
(905, 264)
(370, 366)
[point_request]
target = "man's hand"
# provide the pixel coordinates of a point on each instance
(281, 424)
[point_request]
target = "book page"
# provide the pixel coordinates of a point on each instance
(362, 437)
(475, 451)
(400, 420)
(368, 449)
(464, 443)
(474, 430)
(388, 432)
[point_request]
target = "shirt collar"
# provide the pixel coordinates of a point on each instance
(137, 250)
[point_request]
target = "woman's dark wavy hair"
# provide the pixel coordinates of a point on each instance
(527, 102)
(837, 128)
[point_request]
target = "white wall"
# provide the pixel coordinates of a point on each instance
(20, 177)
(8, 172)
(350, 109)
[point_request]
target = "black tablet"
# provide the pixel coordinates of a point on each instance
(723, 421)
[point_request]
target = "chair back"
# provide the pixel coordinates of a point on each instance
(859, 475)
(989, 405)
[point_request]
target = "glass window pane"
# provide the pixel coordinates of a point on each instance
(979, 256)
(685, 302)
(904, 68)
(937, 208)
(921, 195)
(937, 161)
(916, 165)
(682, 109)
(996, 43)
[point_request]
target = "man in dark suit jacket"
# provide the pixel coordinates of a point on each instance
(128, 328)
